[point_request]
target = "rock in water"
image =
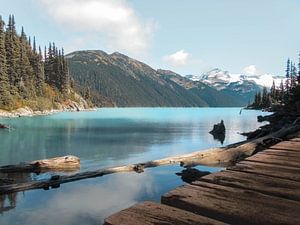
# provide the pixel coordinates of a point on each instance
(219, 131)
(3, 126)
(219, 128)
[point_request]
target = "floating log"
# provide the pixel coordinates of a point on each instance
(68, 162)
(211, 157)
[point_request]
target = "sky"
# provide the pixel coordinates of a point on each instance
(188, 37)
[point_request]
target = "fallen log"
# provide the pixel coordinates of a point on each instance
(68, 162)
(211, 157)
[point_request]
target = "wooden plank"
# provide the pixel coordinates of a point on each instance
(233, 205)
(278, 160)
(288, 145)
(260, 183)
(281, 153)
(153, 213)
(295, 139)
(276, 171)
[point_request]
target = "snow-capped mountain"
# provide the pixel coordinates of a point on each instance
(220, 80)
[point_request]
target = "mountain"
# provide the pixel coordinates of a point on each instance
(220, 79)
(118, 80)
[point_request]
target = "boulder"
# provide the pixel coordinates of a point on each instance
(219, 129)
(4, 126)
(219, 132)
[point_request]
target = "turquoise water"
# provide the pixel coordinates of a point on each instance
(104, 138)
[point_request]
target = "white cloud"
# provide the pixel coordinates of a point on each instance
(114, 20)
(251, 70)
(179, 58)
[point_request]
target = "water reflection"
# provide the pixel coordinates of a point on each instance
(220, 137)
(109, 137)
(91, 201)
(8, 202)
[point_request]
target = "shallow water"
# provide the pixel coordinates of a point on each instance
(104, 138)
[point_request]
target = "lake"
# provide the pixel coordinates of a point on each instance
(104, 138)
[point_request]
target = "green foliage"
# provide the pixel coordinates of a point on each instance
(5, 97)
(285, 97)
(26, 78)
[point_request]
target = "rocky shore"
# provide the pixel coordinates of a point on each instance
(67, 106)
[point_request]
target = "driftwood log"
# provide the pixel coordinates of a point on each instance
(212, 157)
(64, 163)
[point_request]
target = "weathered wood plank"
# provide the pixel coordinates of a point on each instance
(281, 153)
(276, 171)
(260, 183)
(233, 205)
(295, 139)
(278, 160)
(287, 145)
(150, 213)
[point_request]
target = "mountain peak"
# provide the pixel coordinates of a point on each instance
(220, 79)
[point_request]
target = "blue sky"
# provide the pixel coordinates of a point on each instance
(189, 37)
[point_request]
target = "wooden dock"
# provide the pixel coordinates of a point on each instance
(262, 189)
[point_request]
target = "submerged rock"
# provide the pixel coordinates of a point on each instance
(219, 131)
(219, 128)
(190, 175)
(4, 126)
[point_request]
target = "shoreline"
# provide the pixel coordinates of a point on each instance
(28, 112)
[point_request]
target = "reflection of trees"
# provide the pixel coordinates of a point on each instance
(9, 201)
(93, 139)
(12, 202)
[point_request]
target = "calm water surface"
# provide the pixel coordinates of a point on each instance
(104, 138)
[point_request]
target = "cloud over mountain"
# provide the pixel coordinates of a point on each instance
(115, 21)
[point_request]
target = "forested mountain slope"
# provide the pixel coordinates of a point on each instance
(116, 79)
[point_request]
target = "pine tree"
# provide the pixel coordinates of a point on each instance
(12, 46)
(5, 98)
(273, 90)
(293, 75)
(281, 91)
(65, 79)
(288, 68)
(39, 73)
(265, 102)
(26, 87)
(299, 69)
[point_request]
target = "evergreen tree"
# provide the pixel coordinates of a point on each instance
(299, 69)
(26, 77)
(281, 91)
(288, 68)
(265, 100)
(26, 87)
(12, 46)
(5, 98)
(39, 73)
(65, 79)
(273, 90)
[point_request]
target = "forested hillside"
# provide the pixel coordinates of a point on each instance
(28, 76)
(116, 79)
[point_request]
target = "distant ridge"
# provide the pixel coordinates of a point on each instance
(118, 80)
